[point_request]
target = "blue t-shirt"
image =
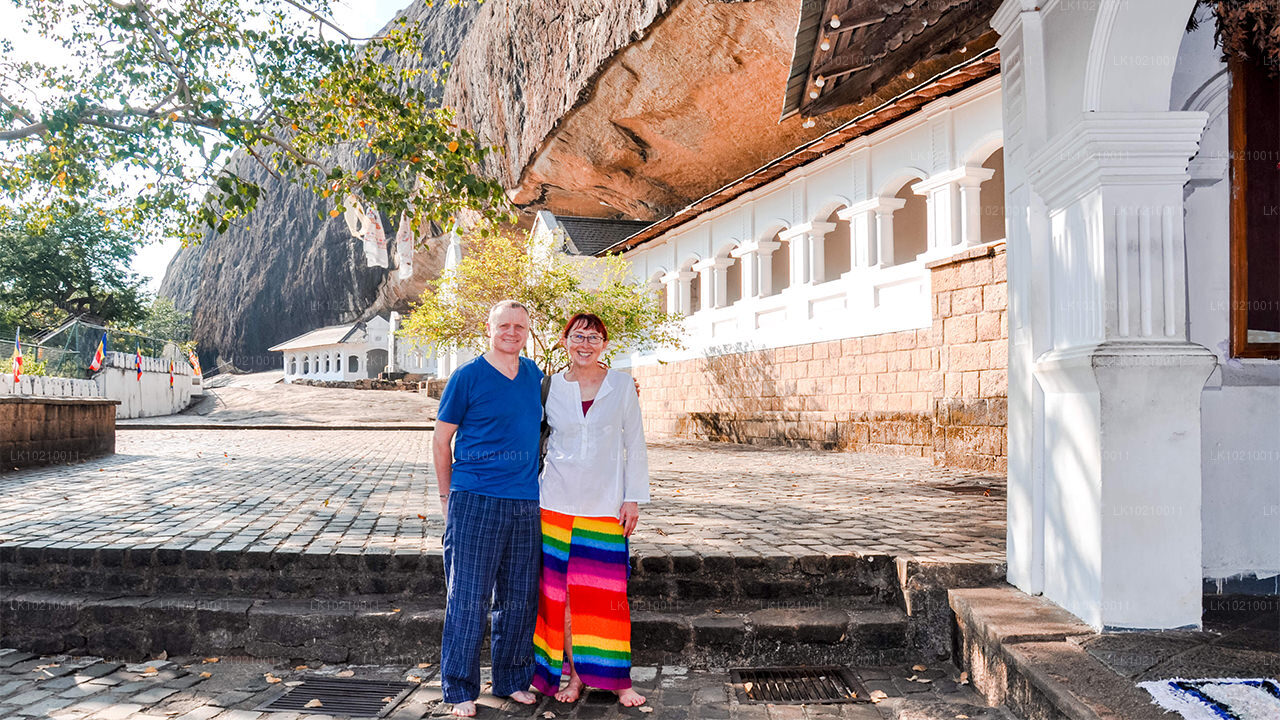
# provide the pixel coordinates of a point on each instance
(495, 451)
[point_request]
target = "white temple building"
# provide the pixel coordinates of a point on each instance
(354, 351)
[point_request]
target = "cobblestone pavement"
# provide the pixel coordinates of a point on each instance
(87, 688)
(322, 491)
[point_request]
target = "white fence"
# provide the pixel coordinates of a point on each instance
(148, 396)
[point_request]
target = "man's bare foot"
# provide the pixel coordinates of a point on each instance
(524, 697)
(464, 709)
(571, 691)
(630, 698)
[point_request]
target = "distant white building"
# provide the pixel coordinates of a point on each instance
(353, 351)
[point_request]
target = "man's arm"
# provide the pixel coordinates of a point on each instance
(442, 458)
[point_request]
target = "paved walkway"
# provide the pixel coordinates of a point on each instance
(295, 490)
(263, 399)
(232, 689)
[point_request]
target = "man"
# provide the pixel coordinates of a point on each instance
(489, 496)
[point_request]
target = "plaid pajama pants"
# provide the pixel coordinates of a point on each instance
(492, 554)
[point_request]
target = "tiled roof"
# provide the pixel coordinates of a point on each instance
(330, 335)
(588, 236)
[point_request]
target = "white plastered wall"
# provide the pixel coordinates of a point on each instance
(1240, 405)
(944, 136)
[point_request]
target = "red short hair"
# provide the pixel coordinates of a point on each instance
(590, 320)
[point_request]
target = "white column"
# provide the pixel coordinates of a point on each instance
(955, 211)
(807, 251)
(713, 275)
(678, 299)
(747, 257)
(1104, 415)
(871, 231)
(970, 188)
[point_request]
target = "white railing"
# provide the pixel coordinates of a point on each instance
(864, 301)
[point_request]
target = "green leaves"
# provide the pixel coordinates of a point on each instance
(452, 311)
(160, 96)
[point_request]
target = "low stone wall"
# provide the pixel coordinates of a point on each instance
(937, 392)
(53, 430)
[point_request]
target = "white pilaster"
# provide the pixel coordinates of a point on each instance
(757, 266)
(806, 242)
(1122, 383)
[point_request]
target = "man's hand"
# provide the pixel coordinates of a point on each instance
(629, 517)
(444, 507)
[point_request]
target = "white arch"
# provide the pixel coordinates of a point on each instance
(904, 175)
(774, 227)
(726, 248)
(828, 205)
(1132, 54)
(978, 152)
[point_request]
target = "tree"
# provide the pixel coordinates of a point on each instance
(66, 266)
(453, 310)
(162, 320)
(159, 94)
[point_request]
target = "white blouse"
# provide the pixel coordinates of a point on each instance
(596, 462)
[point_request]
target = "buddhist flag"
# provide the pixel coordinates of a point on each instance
(170, 373)
(99, 355)
(137, 362)
(194, 360)
(17, 356)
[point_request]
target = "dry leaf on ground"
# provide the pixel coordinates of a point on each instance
(346, 673)
(313, 702)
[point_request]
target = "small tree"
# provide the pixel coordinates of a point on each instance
(453, 309)
(164, 321)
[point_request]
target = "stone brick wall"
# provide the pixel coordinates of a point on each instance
(50, 431)
(916, 392)
(972, 382)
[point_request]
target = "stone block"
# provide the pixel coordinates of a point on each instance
(966, 300)
(718, 629)
(659, 632)
(969, 357)
(993, 383)
(942, 304)
(975, 272)
(995, 297)
(989, 326)
(799, 625)
(959, 330)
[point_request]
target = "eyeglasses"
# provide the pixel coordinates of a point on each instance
(589, 339)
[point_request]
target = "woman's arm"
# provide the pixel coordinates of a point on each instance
(635, 473)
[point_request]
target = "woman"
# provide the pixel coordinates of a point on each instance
(595, 476)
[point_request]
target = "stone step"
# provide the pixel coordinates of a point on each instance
(379, 630)
(250, 573)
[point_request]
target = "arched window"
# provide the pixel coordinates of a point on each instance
(306, 364)
(293, 364)
(910, 225)
(991, 196)
(781, 266)
(835, 249)
(327, 362)
(353, 364)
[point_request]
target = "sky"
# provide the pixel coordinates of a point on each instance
(361, 18)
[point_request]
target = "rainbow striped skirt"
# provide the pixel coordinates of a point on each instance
(584, 567)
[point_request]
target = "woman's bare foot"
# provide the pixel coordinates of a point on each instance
(524, 697)
(630, 698)
(464, 709)
(571, 691)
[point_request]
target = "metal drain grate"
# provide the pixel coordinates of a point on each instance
(341, 696)
(797, 685)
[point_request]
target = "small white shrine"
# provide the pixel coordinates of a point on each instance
(354, 351)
